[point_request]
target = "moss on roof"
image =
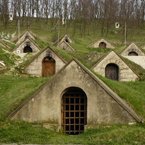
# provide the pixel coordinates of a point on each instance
(7, 44)
(136, 68)
(131, 92)
(7, 57)
(37, 41)
(24, 64)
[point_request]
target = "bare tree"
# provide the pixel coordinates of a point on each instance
(81, 14)
(5, 12)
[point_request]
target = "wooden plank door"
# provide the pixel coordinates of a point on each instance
(112, 71)
(48, 67)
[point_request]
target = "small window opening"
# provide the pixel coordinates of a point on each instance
(27, 49)
(132, 53)
(66, 40)
(102, 45)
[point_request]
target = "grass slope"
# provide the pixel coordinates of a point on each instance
(21, 132)
(13, 89)
(6, 57)
(132, 92)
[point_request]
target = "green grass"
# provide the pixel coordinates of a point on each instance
(7, 58)
(14, 89)
(47, 31)
(137, 69)
(131, 92)
(21, 132)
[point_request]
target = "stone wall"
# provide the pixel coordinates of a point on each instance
(96, 44)
(35, 67)
(140, 60)
(20, 48)
(125, 73)
(134, 48)
(64, 45)
(24, 36)
(103, 106)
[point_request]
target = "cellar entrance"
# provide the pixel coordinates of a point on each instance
(112, 71)
(74, 111)
(48, 66)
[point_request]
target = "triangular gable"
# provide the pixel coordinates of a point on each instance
(97, 44)
(19, 50)
(24, 36)
(132, 48)
(139, 60)
(64, 43)
(65, 46)
(104, 106)
(125, 72)
(35, 66)
(65, 38)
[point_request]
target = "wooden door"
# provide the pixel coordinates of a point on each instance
(112, 71)
(74, 111)
(48, 67)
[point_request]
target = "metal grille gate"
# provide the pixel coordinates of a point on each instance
(74, 111)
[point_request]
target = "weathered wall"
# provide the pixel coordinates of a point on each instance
(23, 37)
(35, 67)
(125, 73)
(20, 48)
(140, 60)
(45, 106)
(64, 45)
(130, 48)
(96, 44)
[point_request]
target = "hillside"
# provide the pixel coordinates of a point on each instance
(16, 86)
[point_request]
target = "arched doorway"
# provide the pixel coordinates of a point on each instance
(48, 66)
(102, 45)
(112, 71)
(74, 110)
(27, 49)
(132, 53)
